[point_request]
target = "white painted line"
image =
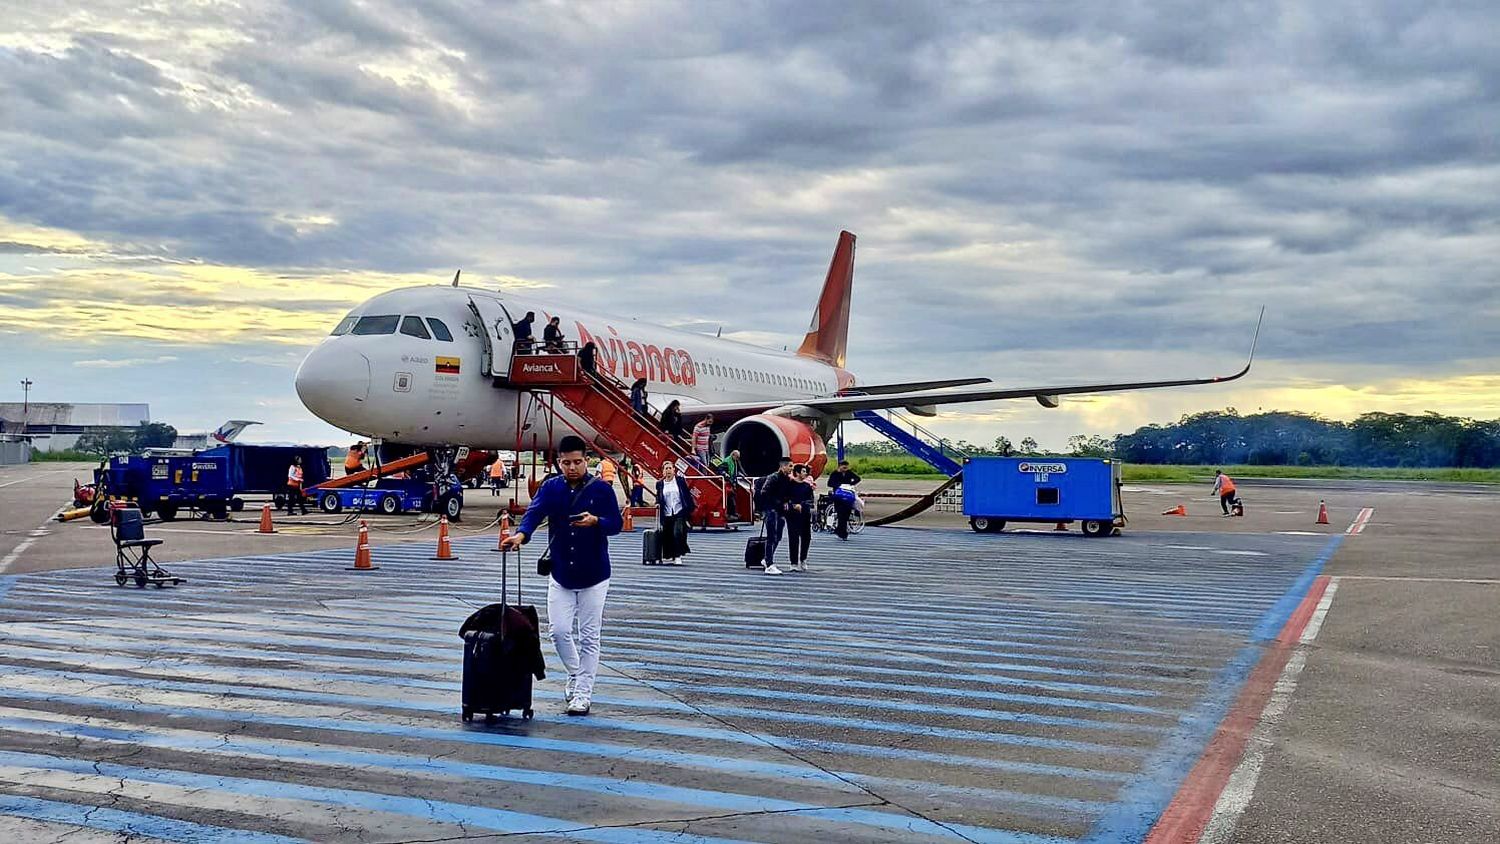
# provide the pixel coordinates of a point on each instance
(36, 533)
(1358, 525)
(1241, 786)
(32, 478)
(1488, 581)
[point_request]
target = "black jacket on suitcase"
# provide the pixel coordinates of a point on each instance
(502, 653)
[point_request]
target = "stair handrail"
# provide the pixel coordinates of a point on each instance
(943, 445)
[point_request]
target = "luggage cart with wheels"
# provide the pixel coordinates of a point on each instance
(133, 551)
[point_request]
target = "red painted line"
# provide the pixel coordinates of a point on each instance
(1192, 807)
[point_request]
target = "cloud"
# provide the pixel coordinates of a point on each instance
(122, 363)
(1041, 191)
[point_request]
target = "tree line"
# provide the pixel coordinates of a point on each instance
(1276, 438)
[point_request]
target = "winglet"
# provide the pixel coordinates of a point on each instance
(1254, 341)
(827, 337)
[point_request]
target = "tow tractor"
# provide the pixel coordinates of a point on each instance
(411, 484)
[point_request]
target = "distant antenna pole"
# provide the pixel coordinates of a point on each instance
(456, 273)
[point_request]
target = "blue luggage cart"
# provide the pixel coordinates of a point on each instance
(1046, 490)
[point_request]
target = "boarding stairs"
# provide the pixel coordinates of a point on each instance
(920, 442)
(931, 449)
(603, 404)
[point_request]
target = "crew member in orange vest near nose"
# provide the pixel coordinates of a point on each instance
(294, 493)
(497, 475)
(1224, 488)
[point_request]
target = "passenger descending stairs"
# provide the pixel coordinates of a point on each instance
(931, 449)
(604, 405)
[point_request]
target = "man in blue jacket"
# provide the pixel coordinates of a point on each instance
(582, 513)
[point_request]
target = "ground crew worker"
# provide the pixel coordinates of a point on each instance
(582, 514)
(844, 477)
(294, 494)
(608, 471)
(1224, 488)
(355, 461)
(702, 438)
(497, 475)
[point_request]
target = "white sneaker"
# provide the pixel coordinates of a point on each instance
(570, 687)
(771, 569)
(579, 705)
(676, 561)
(794, 567)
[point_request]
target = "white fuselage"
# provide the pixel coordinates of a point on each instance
(380, 378)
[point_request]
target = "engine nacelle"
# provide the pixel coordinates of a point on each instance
(763, 440)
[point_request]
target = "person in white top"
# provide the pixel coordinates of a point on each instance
(674, 505)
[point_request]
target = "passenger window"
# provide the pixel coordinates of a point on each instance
(412, 327)
(439, 330)
(368, 325)
(1046, 495)
(344, 325)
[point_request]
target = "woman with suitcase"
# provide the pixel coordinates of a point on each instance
(674, 504)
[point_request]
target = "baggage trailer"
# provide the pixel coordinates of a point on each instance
(1046, 490)
(261, 469)
(390, 496)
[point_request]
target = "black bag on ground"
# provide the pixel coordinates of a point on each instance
(651, 547)
(502, 653)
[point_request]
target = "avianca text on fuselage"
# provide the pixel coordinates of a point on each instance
(628, 359)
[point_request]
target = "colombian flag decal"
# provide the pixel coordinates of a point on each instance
(447, 366)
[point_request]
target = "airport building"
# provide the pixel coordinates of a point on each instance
(55, 426)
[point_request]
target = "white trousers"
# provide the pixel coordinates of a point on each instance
(583, 608)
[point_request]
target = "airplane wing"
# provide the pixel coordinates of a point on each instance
(919, 400)
(911, 386)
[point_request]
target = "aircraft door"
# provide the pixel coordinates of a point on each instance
(498, 337)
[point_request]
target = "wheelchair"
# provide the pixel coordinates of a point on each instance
(133, 551)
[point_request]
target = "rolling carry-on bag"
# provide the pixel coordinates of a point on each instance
(755, 550)
(502, 653)
(651, 547)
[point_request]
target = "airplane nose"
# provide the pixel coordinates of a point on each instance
(334, 383)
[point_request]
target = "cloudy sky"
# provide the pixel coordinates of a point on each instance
(192, 193)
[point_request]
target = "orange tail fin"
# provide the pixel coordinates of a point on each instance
(828, 335)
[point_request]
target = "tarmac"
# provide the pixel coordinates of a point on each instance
(1253, 679)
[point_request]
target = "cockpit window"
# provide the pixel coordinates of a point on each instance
(376, 325)
(344, 325)
(412, 327)
(439, 330)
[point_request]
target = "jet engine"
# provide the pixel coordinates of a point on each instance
(763, 440)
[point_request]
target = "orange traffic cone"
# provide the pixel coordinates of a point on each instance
(265, 519)
(1179, 510)
(629, 526)
(504, 532)
(445, 546)
(362, 550)
(1060, 526)
(1322, 513)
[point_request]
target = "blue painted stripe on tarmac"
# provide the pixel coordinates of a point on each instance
(439, 811)
(132, 823)
(1142, 802)
(469, 736)
(795, 743)
(308, 753)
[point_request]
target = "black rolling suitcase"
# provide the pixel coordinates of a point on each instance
(755, 550)
(651, 547)
(502, 653)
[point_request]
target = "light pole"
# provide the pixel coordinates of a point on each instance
(25, 402)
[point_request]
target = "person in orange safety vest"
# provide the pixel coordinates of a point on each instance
(294, 494)
(1224, 488)
(497, 475)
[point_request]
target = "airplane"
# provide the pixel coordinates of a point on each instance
(224, 434)
(427, 367)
